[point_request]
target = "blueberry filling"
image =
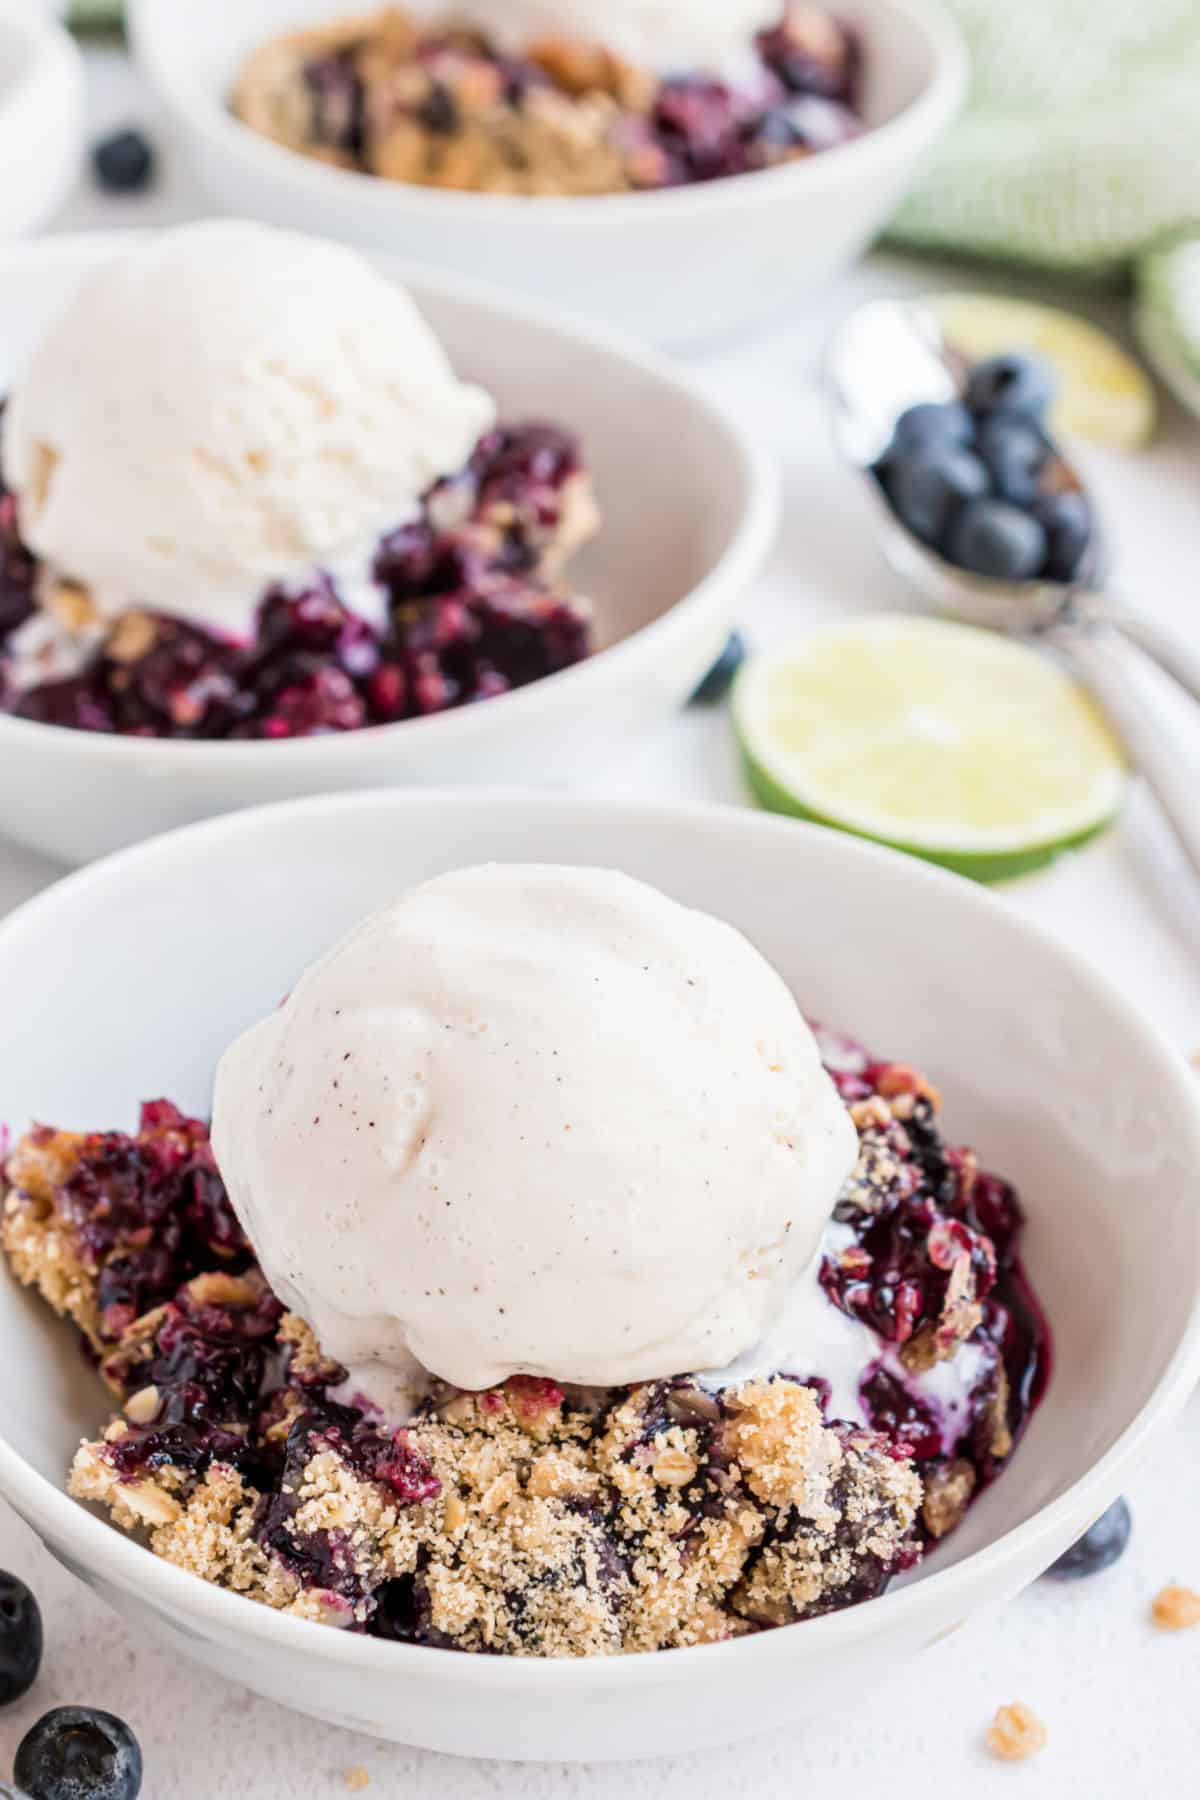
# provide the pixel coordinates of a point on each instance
(468, 611)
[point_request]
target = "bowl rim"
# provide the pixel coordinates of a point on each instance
(121, 1561)
(48, 53)
(932, 107)
(738, 565)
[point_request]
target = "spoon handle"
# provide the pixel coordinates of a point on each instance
(1168, 650)
(1108, 664)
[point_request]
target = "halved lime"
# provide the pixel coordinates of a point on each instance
(1104, 396)
(950, 743)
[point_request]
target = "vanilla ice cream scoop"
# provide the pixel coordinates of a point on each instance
(533, 1119)
(704, 36)
(225, 406)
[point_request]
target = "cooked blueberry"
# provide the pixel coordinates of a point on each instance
(20, 1638)
(993, 537)
(438, 112)
(807, 122)
(931, 423)
(926, 487)
(715, 685)
(124, 162)
(1015, 453)
(1098, 1548)
(1012, 383)
(1067, 521)
(335, 91)
(78, 1753)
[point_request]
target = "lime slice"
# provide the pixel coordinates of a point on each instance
(1104, 396)
(954, 744)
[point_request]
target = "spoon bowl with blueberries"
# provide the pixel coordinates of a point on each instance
(984, 515)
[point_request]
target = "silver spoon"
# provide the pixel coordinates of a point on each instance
(890, 355)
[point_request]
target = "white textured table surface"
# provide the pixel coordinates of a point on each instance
(1120, 1699)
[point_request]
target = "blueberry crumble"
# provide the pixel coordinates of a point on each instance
(445, 106)
(532, 1519)
(472, 604)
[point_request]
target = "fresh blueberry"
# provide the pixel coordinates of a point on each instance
(77, 1753)
(1066, 519)
(926, 487)
(1012, 384)
(20, 1638)
(993, 537)
(1015, 453)
(716, 684)
(931, 423)
(1098, 1548)
(124, 163)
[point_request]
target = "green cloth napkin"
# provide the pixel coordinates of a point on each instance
(96, 15)
(1079, 146)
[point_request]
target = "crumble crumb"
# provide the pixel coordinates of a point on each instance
(131, 637)
(938, 1340)
(1016, 1733)
(948, 1492)
(900, 1082)
(790, 1457)
(70, 605)
(133, 1504)
(357, 1778)
(43, 1249)
(1176, 1608)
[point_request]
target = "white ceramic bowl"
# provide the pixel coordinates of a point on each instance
(677, 266)
(689, 504)
(41, 116)
(129, 978)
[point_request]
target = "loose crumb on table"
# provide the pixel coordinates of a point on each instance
(357, 1778)
(1176, 1608)
(1015, 1733)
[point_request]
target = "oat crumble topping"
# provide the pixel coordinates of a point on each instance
(1176, 1608)
(1016, 1733)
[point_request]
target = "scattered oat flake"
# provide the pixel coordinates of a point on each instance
(1176, 1609)
(357, 1778)
(1015, 1733)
